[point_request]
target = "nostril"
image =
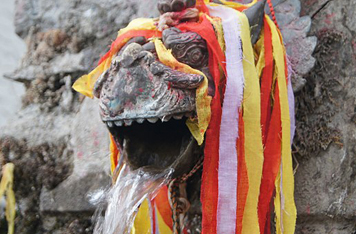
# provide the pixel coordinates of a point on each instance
(164, 7)
(178, 5)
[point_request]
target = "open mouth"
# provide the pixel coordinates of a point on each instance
(156, 143)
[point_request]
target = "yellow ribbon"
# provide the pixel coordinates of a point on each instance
(286, 215)
(253, 136)
(142, 223)
(6, 187)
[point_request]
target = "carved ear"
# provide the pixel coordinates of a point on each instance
(255, 16)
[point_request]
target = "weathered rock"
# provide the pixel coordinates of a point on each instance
(298, 44)
(91, 164)
(57, 142)
(325, 179)
(72, 195)
(66, 63)
(11, 50)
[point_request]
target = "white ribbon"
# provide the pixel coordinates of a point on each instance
(227, 174)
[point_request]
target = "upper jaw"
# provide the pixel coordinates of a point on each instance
(120, 121)
(145, 90)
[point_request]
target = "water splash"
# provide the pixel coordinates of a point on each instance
(122, 200)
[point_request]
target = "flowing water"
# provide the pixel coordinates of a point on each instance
(122, 200)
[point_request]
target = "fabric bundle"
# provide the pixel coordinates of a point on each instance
(247, 170)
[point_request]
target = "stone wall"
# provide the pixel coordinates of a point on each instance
(57, 142)
(60, 147)
(11, 50)
(326, 128)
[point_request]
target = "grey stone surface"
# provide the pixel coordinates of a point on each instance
(73, 194)
(63, 64)
(57, 142)
(38, 127)
(91, 164)
(11, 50)
(298, 44)
(325, 146)
(87, 18)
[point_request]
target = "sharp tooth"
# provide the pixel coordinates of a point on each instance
(152, 120)
(140, 120)
(166, 118)
(178, 116)
(118, 123)
(110, 124)
(128, 122)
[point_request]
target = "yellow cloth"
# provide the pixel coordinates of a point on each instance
(6, 185)
(85, 84)
(142, 223)
(288, 213)
(260, 54)
(252, 125)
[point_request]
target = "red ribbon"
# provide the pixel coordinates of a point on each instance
(266, 82)
(242, 183)
(209, 186)
(272, 128)
(163, 206)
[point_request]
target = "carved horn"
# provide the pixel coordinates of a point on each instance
(255, 16)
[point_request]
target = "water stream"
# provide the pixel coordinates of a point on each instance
(121, 201)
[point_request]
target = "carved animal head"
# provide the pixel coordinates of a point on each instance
(145, 103)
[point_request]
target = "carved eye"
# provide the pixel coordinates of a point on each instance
(195, 55)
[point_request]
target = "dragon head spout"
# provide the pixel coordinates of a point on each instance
(145, 104)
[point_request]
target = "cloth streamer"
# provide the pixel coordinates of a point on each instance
(286, 216)
(6, 189)
(227, 176)
(271, 128)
